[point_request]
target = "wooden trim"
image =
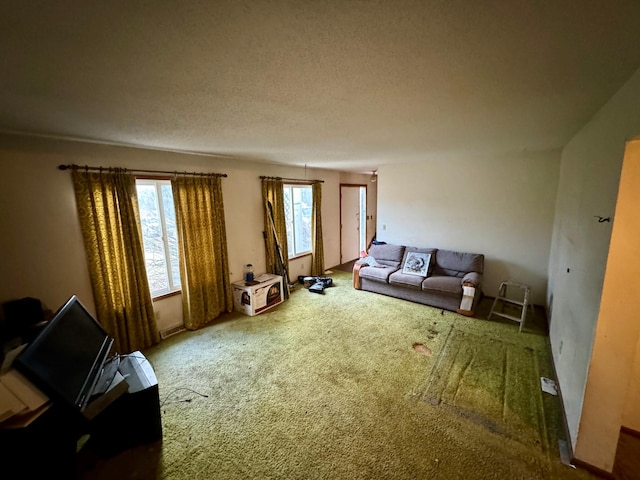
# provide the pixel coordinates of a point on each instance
(356, 275)
(366, 233)
(595, 470)
(630, 431)
(565, 424)
(579, 463)
(302, 255)
(166, 295)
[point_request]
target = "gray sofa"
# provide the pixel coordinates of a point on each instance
(438, 284)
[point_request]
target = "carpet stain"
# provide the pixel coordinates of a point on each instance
(422, 349)
(493, 383)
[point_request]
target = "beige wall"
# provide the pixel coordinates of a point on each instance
(42, 254)
(41, 243)
(501, 207)
(588, 186)
(617, 329)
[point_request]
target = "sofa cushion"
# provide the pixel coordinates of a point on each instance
(441, 283)
(406, 280)
(390, 255)
(456, 264)
(379, 274)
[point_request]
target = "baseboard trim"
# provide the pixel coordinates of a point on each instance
(170, 331)
(595, 470)
(630, 431)
(574, 461)
(565, 424)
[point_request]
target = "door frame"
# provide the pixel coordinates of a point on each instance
(366, 221)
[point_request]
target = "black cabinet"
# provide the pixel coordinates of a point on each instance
(47, 447)
(134, 418)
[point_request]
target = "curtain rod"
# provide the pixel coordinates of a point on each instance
(262, 177)
(175, 172)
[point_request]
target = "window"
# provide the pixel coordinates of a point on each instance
(159, 235)
(298, 202)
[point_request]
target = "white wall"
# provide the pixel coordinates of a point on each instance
(41, 249)
(588, 186)
(614, 347)
(500, 207)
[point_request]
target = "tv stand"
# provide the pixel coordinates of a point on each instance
(133, 418)
(47, 447)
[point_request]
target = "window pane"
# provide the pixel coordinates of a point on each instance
(154, 252)
(172, 233)
(363, 219)
(288, 215)
(302, 219)
(307, 208)
(298, 206)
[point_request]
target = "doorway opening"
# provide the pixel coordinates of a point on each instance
(353, 221)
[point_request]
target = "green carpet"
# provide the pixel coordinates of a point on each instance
(493, 383)
(352, 385)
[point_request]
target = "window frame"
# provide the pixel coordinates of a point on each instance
(291, 185)
(158, 182)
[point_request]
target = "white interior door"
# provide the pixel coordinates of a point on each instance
(349, 223)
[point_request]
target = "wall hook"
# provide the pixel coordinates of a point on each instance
(602, 219)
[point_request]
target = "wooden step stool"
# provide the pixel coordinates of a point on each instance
(503, 299)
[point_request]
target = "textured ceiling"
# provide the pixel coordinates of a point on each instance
(350, 85)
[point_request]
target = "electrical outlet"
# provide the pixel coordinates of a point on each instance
(384, 227)
(157, 313)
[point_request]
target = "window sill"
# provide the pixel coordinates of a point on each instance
(302, 255)
(166, 295)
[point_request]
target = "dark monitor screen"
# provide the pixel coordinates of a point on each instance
(66, 358)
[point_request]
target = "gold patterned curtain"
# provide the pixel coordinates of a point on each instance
(109, 219)
(317, 247)
(202, 238)
(277, 256)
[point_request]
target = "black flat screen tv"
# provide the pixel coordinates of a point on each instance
(66, 359)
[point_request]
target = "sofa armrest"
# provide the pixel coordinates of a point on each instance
(356, 275)
(473, 278)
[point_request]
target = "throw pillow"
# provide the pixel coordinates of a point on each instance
(416, 263)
